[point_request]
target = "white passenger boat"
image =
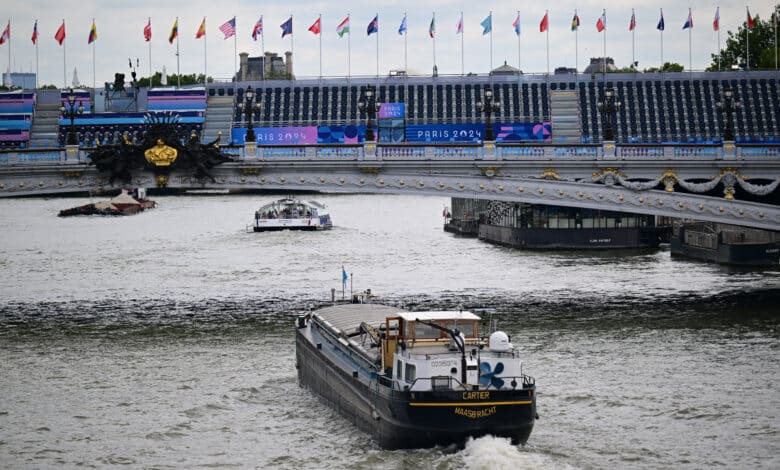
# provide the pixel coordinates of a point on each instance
(292, 214)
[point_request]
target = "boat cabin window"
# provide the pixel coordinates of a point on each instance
(398, 369)
(421, 331)
(411, 372)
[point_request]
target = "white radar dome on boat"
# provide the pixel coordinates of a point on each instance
(499, 341)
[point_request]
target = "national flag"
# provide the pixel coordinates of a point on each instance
(315, 27)
(6, 33)
(343, 27)
(601, 23)
(689, 22)
(344, 276)
(660, 26)
(632, 23)
(373, 26)
(432, 27)
(60, 34)
(287, 27)
(750, 22)
(516, 25)
(459, 27)
(716, 20)
(258, 28)
(402, 27)
(228, 28)
(35, 33)
(148, 31)
(575, 22)
(92, 33)
(487, 24)
(174, 31)
(543, 25)
(201, 30)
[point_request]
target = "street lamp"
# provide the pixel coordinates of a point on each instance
(609, 106)
(488, 106)
(249, 107)
(728, 104)
(368, 104)
(70, 112)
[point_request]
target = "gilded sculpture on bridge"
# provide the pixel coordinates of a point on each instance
(164, 148)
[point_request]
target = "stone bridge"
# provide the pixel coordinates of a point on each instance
(734, 184)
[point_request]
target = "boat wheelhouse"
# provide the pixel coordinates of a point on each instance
(415, 379)
(292, 214)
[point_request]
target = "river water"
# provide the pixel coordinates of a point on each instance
(165, 340)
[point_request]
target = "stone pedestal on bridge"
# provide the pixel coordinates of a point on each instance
(609, 150)
(250, 151)
(72, 154)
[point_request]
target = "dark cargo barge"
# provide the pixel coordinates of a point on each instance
(415, 379)
(726, 244)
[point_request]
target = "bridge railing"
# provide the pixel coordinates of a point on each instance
(442, 152)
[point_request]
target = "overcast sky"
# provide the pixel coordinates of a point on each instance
(120, 35)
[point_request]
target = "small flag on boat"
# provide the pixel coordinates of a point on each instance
(344, 276)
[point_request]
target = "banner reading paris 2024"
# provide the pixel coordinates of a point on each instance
(434, 133)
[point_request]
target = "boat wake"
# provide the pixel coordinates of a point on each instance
(491, 453)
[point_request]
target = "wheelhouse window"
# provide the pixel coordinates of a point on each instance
(411, 372)
(398, 369)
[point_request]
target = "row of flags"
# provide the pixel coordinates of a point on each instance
(228, 28)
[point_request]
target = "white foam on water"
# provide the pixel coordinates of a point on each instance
(495, 453)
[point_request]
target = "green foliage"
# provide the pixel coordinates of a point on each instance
(668, 67)
(761, 42)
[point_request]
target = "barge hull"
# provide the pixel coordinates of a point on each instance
(400, 420)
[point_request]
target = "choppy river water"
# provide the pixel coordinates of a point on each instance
(165, 340)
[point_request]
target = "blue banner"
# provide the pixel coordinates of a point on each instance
(392, 111)
(444, 132)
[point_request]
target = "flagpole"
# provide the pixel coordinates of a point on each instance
(719, 52)
(690, 46)
(491, 45)
(577, 49)
(462, 50)
(434, 40)
(604, 47)
(64, 67)
(547, 31)
(262, 46)
(150, 56)
(633, 41)
(205, 67)
(319, 19)
(747, 46)
(377, 56)
(406, 56)
(178, 73)
(93, 59)
(36, 55)
(349, 48)
(518, 46)
(662, 44)
(292, 47)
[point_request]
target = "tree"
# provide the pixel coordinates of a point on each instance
(668, 67)
(762, 46)
(156, 79)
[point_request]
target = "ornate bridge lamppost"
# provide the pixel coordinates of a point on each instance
(248, 107)
(70, 112)
(488, 106)
(368, 104)
(728, 104)
(608, 107)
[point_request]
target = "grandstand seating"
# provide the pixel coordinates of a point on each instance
(16, 111)
(672, 108)
(188, 104)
